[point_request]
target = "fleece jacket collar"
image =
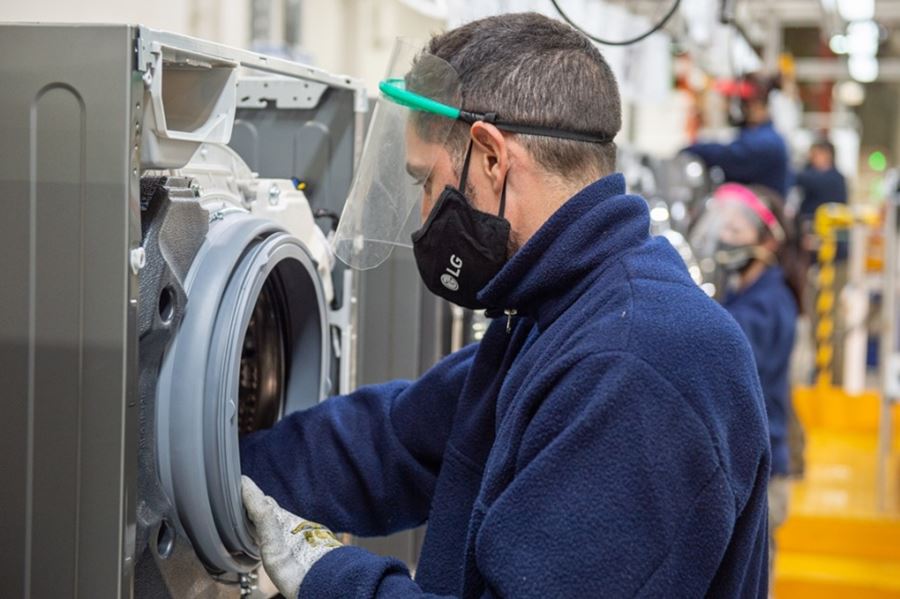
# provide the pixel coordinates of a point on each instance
(569, 251)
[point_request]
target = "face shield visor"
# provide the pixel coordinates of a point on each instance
(728, 236)
(419, 104)
(410, 125)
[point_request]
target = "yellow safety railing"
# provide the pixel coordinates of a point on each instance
(828, 220)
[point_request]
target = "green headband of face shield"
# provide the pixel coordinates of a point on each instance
(395, 90)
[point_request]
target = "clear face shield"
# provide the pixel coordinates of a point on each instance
(419, 105)
(728, 236)
(411, 123)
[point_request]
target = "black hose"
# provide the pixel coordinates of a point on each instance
(628, 42)
(332, 216)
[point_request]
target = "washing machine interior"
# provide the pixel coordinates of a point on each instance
(161, 300)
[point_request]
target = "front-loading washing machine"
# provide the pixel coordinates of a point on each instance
(159, 298)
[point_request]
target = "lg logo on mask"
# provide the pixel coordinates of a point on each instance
(448, 279)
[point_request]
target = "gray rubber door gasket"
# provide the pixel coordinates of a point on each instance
(199, 382)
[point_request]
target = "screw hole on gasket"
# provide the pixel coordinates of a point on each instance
(165, 539)
(167, 304)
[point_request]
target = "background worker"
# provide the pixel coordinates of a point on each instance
(759, 154)
(744, 232)
(820, 182)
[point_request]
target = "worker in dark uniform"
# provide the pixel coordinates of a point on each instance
(743, 231)
(759, 155)
(820, 182)
(608, 435)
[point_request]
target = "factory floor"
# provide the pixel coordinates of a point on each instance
(842, 535)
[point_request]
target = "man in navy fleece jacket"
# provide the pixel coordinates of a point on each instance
(607, 437)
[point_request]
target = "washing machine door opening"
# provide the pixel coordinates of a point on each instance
(267, 349)
(252, 346)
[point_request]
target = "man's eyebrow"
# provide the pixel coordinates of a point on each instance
(416, 171)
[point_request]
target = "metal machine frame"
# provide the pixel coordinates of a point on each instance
(73, 146)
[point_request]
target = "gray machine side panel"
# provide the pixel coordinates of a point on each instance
(66, 324)
(391, 316)
(315, 145)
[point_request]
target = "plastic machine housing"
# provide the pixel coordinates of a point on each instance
(158, 299)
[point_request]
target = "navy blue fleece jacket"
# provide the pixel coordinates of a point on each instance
(757, 157)
(612, 443)
(767, 312)
(820, 187)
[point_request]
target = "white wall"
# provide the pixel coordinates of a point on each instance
(660, 127)
(224, 21)
(355, 37)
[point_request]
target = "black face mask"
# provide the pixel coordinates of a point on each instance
(459, 249)
(737, 113)
(734, 258)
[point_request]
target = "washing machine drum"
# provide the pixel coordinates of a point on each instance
(251, 345)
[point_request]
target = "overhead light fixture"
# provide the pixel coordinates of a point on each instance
(863, 68)
(850, 93)
(838, 43)
(659, 213)
(856, 10)
(862, 38)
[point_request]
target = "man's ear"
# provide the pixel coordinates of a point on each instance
(493, 158)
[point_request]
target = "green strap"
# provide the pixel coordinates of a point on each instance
(395, 89)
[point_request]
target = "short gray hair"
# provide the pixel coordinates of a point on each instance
(531, 69)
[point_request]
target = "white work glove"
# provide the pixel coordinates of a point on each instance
(289, 545)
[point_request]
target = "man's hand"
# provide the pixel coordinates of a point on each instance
(289, 544)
